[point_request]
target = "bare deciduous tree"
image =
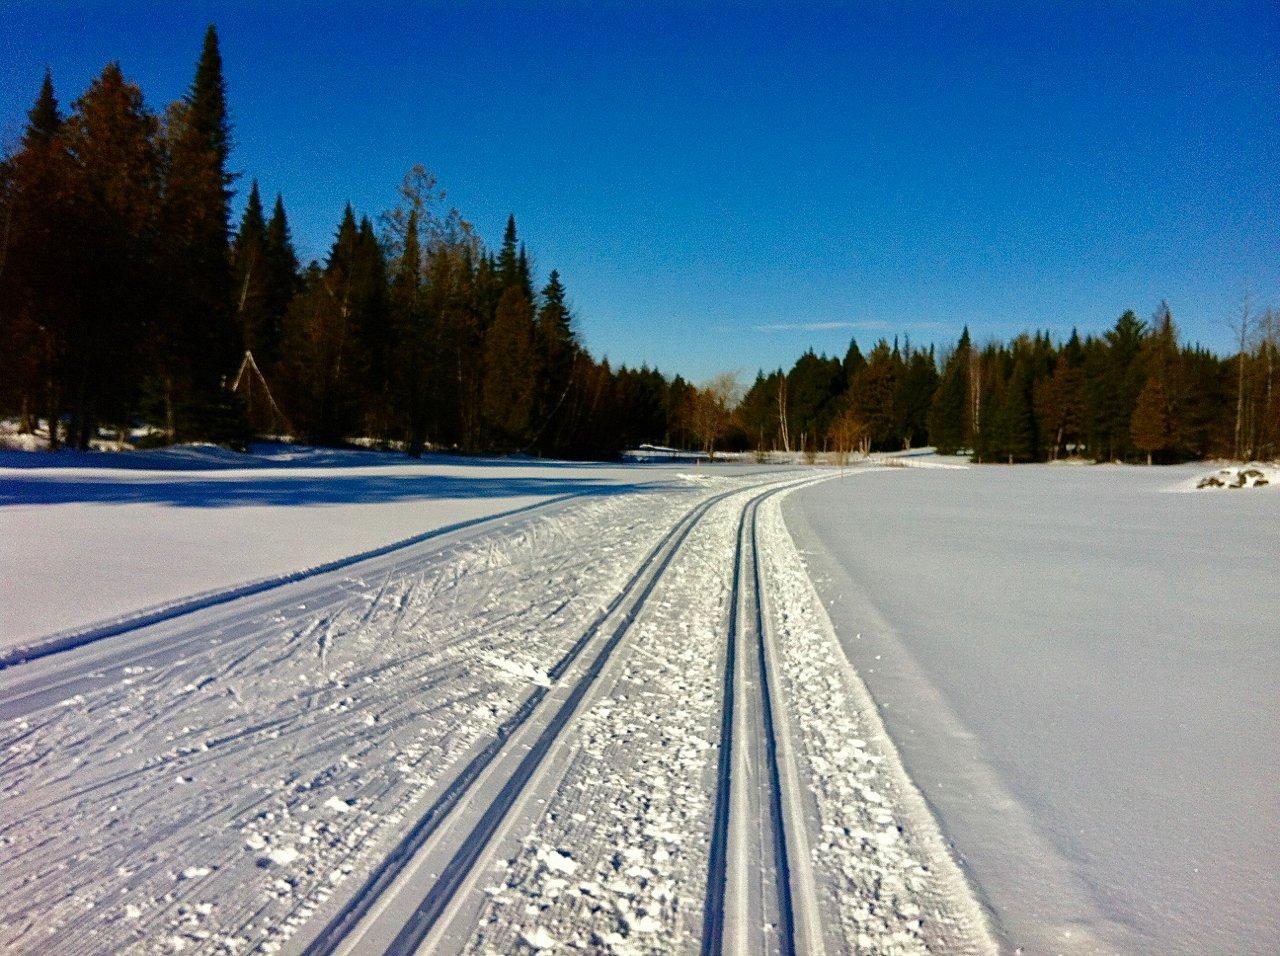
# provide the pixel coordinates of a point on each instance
(847, 434)
(712, 410)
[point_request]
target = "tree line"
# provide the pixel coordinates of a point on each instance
(1134, 393)
(129, 303)
(126, 298)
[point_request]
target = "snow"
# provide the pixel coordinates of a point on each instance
(1079, 672)
(1076, 669)
(368, 687)
(92, 536)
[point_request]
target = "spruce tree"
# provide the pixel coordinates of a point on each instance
(202, 345)
(412, 380)
(557, 348)
(40, 285)
(508, 264)
(249, 277)
(510, 371)
(280, 284)
(1151, 427)
(113, 139)
(1014, 428)
(947, 412)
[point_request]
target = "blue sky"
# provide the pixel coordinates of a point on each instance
(723, 186)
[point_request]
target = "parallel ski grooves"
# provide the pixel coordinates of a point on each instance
(786, 915)
(713, 911)
(744, 589)
(455, 872)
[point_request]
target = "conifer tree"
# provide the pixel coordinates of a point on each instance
(557, 349)
(1156, 426)
(510, 370)
(1152, 425)
(113, 139)
(280, 284)
(508, 264)
(872, 396)
(410, 362)
(40, 285)
(947, 432)
(202, 346)
(249, 276)
(1014, 427)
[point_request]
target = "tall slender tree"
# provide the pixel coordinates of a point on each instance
(202, 346)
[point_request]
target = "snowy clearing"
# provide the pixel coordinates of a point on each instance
(511, 739)
(1079, 671)
(91, 537)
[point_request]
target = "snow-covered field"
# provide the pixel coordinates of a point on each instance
(512, 736)
(604, 708)
(1080, 670)
(88, 537)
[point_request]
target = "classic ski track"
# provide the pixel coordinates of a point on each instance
(31, 688)
(346, 931)
(134, 621)
(737, 869)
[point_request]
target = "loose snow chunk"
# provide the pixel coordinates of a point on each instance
(538, 938)
(282, 855)
(645, 924)
(337, 805)
(525, 671)
(557, 862)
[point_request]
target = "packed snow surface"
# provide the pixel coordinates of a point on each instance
(524, 716)
(1080, 672)
(85, 537)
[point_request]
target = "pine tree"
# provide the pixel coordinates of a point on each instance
(1151, 427)
(1014, 427)
(947, 412)
(40, 282)
(279, 285)
(323, 366)
(113, 139)
(249, 276)
(871, 396)
(1059, 399)
(917, 383)
(508, 264)
(412, 379)
(510, 370)
(202, 347)
(1156, 423)
(557, 348)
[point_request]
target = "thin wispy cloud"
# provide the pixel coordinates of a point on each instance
(818, 326)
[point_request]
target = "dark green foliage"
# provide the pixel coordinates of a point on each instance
(872, 393)
(813, 387)
(199, 346)
(947, 421)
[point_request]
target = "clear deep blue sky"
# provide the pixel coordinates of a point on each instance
(722, 187)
